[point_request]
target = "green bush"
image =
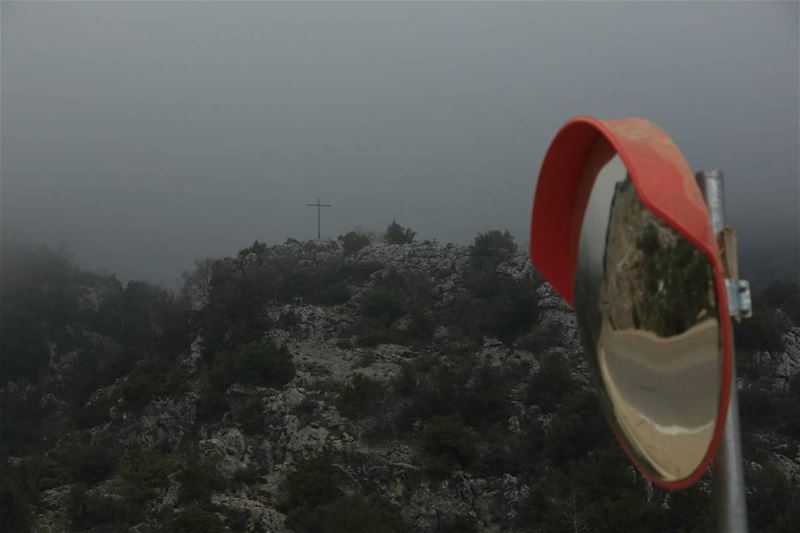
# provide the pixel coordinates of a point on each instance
(250, 416)
(397, 234)
(477, 393)
(434, 389)
(763, 331)
(247, 475)
(38, 301)
(496, 306)
(289, 321)
(198, 479)
(350, 514)
(457, 524)
(144, 473)
(310, 484)
(236, 310)
(22, 424)
(194, 519)
(353, 241)
(258, 248)
(552, 384)
(257, 363)
(773, 503)
(648, 241)
(484, 402)
(19, 490)
(382, 308)
(99, 512)
(361, 397)
(578, 427)
(395, 295)
(153, 377)
(450, 444)
(504, 452)
(211, 403)
(784, 296)
(490, 249)
(90, 464)
(543, 336)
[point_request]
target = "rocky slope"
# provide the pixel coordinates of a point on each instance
(358, 400)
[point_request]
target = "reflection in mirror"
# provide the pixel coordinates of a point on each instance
(647, 309)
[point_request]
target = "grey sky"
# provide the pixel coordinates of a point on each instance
(143, 135)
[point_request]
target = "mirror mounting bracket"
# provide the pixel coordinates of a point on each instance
(739, 300)
(740, 303)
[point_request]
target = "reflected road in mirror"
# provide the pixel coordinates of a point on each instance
(647, 309)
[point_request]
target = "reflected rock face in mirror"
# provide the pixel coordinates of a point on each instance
(647, 309)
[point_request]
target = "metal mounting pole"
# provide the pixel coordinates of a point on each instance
(728, 464)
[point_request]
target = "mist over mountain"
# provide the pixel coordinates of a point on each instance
(143, 135)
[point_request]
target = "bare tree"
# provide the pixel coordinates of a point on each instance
(197, 283)
(572, 515)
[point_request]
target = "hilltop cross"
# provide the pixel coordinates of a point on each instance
(318, 205)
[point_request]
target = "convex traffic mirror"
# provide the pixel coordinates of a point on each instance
(621, 231)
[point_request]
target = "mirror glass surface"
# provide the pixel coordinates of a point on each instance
(647, 311)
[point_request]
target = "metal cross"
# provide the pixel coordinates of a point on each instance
(318, 205)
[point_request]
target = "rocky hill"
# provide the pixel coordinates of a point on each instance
(342, 386)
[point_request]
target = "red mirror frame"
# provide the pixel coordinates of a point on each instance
(665, 185)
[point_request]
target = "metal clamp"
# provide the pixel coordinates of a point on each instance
(740, 304)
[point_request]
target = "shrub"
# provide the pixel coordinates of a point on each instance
(90, 464)
(552, 383)
(311, 483)
(498, 306)
(257, 248)
(289, 321)
(382, 308)
(361, 397)
(250, 416)
(490, 249)
(38, 299)
(457, 524)
(247, 475)
(397, 234)
(764, 330)
(577, 428)
(21, 423)
(396, 295)
(450, 444)
(102, 513)
(353, 241)
(365, 360)
(773, 502)
(648, 242)
(784, 296)
(434, 391)
(198, 479)
(19, 488)
(194, 519)
(543, 336)
(256, 363)
(143, 473)
(235, 312)
(153, 377)
(211, 403)
(484, 402)
(350, 514)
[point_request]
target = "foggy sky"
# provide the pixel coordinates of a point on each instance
(143, 135)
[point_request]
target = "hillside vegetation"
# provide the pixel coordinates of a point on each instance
(349, 385)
